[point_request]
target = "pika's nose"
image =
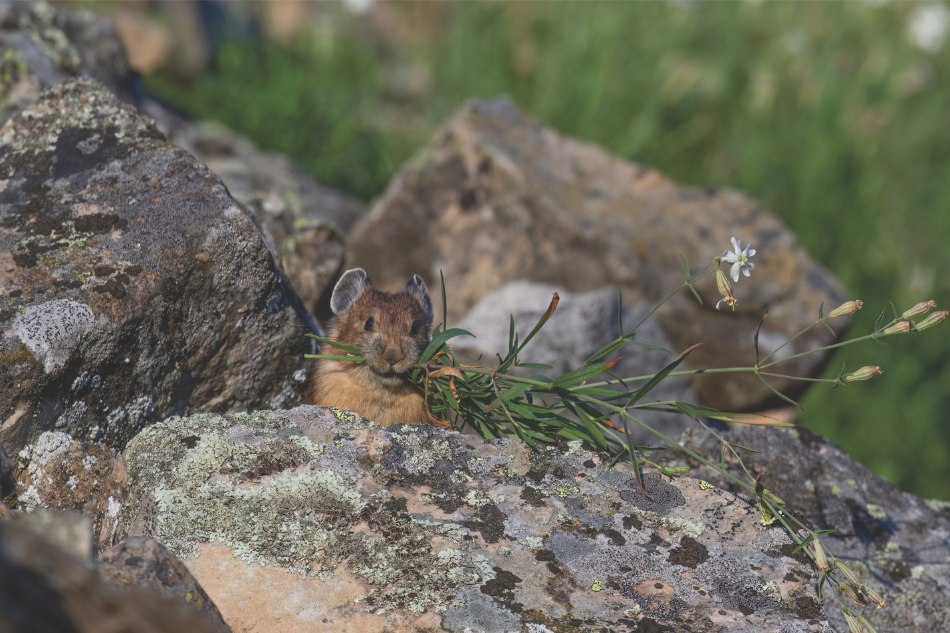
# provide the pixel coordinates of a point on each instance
(392, 355)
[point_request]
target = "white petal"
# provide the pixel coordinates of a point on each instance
(734, 271)
(735, 244)
(730, 257)
(745, 271)
(751, 252)
(750, 265)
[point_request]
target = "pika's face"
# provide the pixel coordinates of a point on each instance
(390, 329)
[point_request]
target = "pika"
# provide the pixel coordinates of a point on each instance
(391, 329)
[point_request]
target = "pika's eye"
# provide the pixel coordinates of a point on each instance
(416, 328)
(369, 324)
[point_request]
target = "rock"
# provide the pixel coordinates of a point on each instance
(146, 564)
(59, 472)
(44, 589)
(896, 539)
(69, 531)
(303, 222)
(134, 287)
(495, 197)
(316, 517)
(44, 44)
(581, 325)
(7, 482)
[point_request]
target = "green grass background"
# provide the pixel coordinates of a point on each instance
(825, 112)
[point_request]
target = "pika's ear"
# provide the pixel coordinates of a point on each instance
(416, 286)
(346, 291)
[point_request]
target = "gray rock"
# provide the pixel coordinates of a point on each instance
(46, 590)
(412, 526)
(44, 44)
(146, 564)
(896, 540)
(581, 325)
(494, 197)
(133, 286)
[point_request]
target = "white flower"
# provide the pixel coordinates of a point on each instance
(739, 259)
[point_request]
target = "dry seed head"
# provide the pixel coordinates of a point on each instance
(921, 308)
(900, 327)
(848, 590)
(849, 574)
(849, 307)
(821, 559)
(934, 319)
(854, 625)
(873, 596)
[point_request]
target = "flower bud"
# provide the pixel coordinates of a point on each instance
(865, 373)
(899, 327)
(849, 307)
(848, 590)
(725, 289)
(921, 308)
(854, 625)
(669, 472)
(934, 319)
(821, 559)
(873, 596)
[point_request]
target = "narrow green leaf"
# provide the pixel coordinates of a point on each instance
(829, 329)
(439, 340)
(544, 319)
(821, 311)
(779, 393)
(511, 334)
(609, 348)
(594, 433)
(686, 266)
(508, 395)
(327, 341)
(685, 408)
(880, 319)
(445, 307)
(649, 346)
(755, 339)
(635, 462)
(893, 309)
(660, 375)
(585, 372)
(696, 294)
(534, 365)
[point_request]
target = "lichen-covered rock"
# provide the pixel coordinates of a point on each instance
(44, 589)
(146, 564)
(495, 197)
(896, 540)
(317, 517)
(303, 222)
(581, 325)
(132, 286)
(43, 45)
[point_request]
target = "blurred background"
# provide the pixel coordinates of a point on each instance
(836, 116)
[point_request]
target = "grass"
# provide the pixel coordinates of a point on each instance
(825, 112)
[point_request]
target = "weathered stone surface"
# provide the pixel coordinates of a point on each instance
(900, 541)
(303, 222)
(581, 325)
(495, 197)
(59, 472)
(43, 45)
(134, 287)
(146, 564)
(44, 589)
(357, 528)
(7, 483)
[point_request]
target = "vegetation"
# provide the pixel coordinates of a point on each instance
(826, 112)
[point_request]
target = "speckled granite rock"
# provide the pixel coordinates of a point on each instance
(45, 590)
(145, 564)
(901, 541)
(495, 197)
(315, 517)
(133, 286)
(44, 44)
(303, 222)
(581, 325)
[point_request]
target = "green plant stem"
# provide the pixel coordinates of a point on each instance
(765, 373)
(790, 340)
(874, 335)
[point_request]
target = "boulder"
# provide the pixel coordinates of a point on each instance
(582, 324)
(45, 589)
(494, 197)
(896, 540)
(43, 44)
(134, 287)
(316, 517)
(303, 222)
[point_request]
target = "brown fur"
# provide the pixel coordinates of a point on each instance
(379, 388)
